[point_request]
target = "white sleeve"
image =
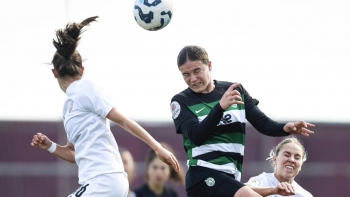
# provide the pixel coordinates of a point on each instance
(96, 101)
(257, 181)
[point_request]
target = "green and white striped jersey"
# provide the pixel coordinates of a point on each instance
(224, 149)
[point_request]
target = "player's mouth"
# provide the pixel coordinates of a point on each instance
(196, 85)
(289, 167)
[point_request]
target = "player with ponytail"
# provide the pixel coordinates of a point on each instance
(91, 144)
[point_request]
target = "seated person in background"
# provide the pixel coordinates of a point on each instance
(286, 158)
(129, 167)
(157, 175)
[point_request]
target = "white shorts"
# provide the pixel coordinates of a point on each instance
(106, 185)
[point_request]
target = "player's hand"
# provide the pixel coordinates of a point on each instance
(168, 158)
(284, 189)
(41, 141)
(299, 127)
(231, 97)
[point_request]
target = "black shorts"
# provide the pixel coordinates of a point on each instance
(215, 184)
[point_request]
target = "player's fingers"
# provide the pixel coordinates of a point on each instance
(310, 125)
(291, 188)
(41, 136)
(306, 132)
(237, 98)
(235, 92)
(302, 123)
(35, 138)
(233, 86)
(174, 163)
(285, 187)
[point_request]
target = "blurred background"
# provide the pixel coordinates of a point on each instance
(293, 56)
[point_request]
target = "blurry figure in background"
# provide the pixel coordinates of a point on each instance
(286, 159)
(86, 114)
(129, 167)
(157, 175)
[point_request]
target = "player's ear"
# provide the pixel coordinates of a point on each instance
(274, 160)
(55, 73)
(209, 66)
(81, 71)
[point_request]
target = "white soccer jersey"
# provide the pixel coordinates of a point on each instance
(269, 180)
(84, 113)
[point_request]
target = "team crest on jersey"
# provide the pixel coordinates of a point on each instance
(175, 109)
(210, 181)
(71, 106)
(255, 182)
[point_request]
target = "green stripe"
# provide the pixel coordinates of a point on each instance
(203, 109)
(237, 138)
(226, 160)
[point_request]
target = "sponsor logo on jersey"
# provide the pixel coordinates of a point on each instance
(175, 109)
(210, 181)
(197, 111)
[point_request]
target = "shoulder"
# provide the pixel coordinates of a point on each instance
(260, 180)
(182, 95)
(223, 83)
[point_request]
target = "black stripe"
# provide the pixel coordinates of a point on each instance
(236, 127)
(216, 154)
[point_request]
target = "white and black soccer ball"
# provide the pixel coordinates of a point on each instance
(153, 15)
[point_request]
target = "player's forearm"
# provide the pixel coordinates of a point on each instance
(136, 130)
(198, 133)
(264, 124)
(263, 191)
(65, 153)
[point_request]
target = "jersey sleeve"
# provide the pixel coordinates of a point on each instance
(180, 114)
(187, 123)
(96, 101)
(249, 101)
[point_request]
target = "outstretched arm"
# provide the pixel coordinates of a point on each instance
(66, 152)
(136, 130)
(269, 127)
(283, 189)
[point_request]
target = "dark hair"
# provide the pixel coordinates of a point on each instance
(67, 59)
(177, 177)
(192, 53)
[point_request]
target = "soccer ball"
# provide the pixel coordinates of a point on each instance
(153, 15)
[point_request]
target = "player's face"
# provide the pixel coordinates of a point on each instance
(158, 172)
(128, 163)
(197, 76)
(288, 162)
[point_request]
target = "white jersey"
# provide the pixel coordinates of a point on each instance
(84, 113)
(269, 180)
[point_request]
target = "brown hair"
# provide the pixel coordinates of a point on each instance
(192, 53)
(177, 177)
(67, 59)
(290, 139)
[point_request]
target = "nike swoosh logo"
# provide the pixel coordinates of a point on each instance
(197, 111)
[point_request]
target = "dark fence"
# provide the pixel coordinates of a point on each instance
(29, 172)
